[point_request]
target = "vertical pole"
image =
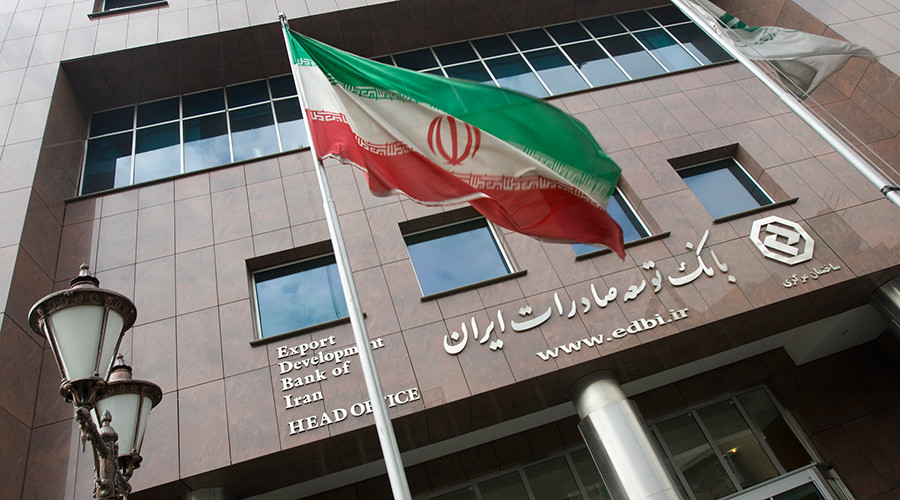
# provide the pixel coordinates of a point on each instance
(385, 429)
(890, 191)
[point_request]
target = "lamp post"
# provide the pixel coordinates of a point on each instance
(84, 325)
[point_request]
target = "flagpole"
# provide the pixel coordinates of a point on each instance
(385, 429)
(890, 191)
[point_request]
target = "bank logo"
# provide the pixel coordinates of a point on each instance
(782, 240)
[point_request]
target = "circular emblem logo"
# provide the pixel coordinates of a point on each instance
(453, 140)
(782, 240)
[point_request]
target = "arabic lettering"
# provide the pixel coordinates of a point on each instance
(814, 273)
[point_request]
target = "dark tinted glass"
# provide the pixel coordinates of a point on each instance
(666, 49)
(603, 26)
(157, 112)
(668, 15)
(415, 59)
(203, 102)
(157, 152)
(723, 187)
(114, 120)
(636, 20)
(206, 142)
(107, 163)
(282, 86)
(493, 46)
(556, 71)
(253, 132)
(696, 41)
(595, 64)
(455, 53)
(299, 295)
(118, 4)
(569, 32)
(627, 220)
(455, 256)
(775, 430)
(695, 458)
(511, 72)
(531, 39)
(247, 93)
(633, 58)
(736, 443)
(473, 71)
(290, 124)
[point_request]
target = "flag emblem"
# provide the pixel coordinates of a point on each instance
(446, 129)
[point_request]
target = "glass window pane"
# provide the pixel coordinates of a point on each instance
(701, 45)
(299, 295)
(633, 58)
(114, 120)
(290, 124)
(737, 444)
(473, 71)
(531, 39)
(157, 112)
(556, 71)
(511, 72)
(493, 46)
(632, 229)
(253, 132)
(107, 163)
(157, 152)
(455, 256)
(552, 480)
(595, 64)
(203, 102)
(467, 493)
(695, 458)
(805, 492)
(589, 475)
(723, 188)
(507, 487)
(455, 53)
(282, 86)
(384, 60)
(669, 14)
(416, 59)
(664, 47)
(206, 142)
(636, 20)
(569, 32)
(247, 93)
(775, 430)
(118, 4)
(603, 26)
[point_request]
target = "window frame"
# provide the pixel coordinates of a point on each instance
(100, 8)
(633, 218)
(752, 187)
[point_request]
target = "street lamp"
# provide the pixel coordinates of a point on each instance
(84, 325)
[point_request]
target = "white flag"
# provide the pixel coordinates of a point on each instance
(802, 59)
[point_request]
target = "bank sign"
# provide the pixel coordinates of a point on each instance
(776, 238)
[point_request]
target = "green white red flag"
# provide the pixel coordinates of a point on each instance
(522, 163)
(803, 60)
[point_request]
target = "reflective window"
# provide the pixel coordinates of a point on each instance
(298, 295)
(724, 187)
(456, 255)
(721, 448)
(572, 56)
(119, 4)
(159, 139)
(621, 211)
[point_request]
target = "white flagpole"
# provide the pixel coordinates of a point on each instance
(889, 190)
(385, 429)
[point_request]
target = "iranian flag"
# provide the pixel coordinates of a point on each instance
(522, 163)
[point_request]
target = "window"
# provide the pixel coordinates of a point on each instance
(621, 211)
(573, 56)
(192, 132)
(104, 6)
(456, 255)
(724, 187)
(298, 295)
(731, 445)
(570, 475)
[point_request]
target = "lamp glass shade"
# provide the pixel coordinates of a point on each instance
(129, 418)
(79, 334)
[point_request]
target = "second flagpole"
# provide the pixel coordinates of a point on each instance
(385, 429)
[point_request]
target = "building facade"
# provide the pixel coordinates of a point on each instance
(751, 325)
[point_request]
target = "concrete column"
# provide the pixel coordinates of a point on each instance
(627, 456)
(886, 300)
(209, 494)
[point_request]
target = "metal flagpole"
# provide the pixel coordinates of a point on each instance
(386, 437)
(890, 191)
